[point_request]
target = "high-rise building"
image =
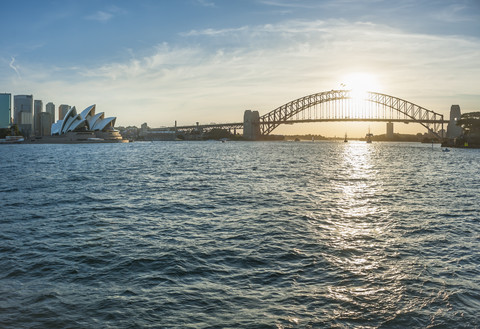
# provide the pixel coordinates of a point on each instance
(23, 113)
(50, 108)
(5, 110)
(390, 130)
(62, 111)
(45, 124)
(38, 108)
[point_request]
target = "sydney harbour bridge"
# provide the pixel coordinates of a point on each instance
(330, 106)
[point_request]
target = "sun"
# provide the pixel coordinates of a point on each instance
(360, 82)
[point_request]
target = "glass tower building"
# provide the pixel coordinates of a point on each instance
(23, 113)
(5, 110)
(38, 106)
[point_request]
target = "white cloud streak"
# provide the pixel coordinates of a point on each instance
(100, 16)
(12, 62)
(105, 15)
(287, 4)
(212, 32)
(206, 3)
(454, 14)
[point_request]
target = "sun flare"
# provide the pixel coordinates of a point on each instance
(360, 82)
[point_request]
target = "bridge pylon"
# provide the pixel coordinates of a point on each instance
(454, 131)
(251, 125)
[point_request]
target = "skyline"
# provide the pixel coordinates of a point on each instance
(208, 61)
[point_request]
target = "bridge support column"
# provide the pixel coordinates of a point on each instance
(251, 125)
(454, 131)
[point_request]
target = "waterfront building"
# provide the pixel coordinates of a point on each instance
(5, 110)
(23, 109)
(62, 111)
(390, 130)
(85, 126)
(86, 120)
(38, 108)
(23, 113)
(160, 135)
(45, 124)
(50, 108)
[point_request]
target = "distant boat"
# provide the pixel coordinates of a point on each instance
(12, 140)
(369, 136)
(345, 140)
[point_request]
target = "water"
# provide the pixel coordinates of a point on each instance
(239, 235)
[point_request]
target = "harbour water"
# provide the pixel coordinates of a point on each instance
(239, 235)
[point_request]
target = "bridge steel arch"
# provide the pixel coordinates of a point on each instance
(400, 111)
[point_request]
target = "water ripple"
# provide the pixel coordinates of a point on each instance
(239, 235)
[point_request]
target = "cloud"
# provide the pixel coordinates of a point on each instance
(288, 4)
(12, 62)
(214, 75)
(100, 16)
(311, 4)
(106, 15)
(206, 3)
(310, 55)
(454, 13)
(212, 32)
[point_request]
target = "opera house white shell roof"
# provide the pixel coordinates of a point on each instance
(86, 120)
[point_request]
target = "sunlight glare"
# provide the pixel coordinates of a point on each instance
(359, 83)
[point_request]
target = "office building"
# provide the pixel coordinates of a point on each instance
(62, 111)
(5, 110)
(23, 113)
(38, 108)
(45, 124)
(50, 108)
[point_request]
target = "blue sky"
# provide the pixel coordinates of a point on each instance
(209, 60)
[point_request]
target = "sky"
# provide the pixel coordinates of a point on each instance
(157, 61)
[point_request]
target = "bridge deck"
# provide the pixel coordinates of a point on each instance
(239, 125)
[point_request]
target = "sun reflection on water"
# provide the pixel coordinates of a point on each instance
(356, 182)
(356, 234)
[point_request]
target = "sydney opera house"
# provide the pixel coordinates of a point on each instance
(84, 127)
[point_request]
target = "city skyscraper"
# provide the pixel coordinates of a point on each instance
(38, 108)
(45, 124)
(390, 130)
(23, 113)
(50, 108)
(62, 111)
(5, 110)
